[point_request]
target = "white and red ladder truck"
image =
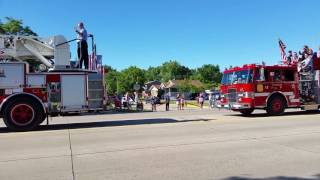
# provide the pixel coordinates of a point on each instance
(272, 88)
(37, 80)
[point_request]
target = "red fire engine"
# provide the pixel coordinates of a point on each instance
(272, 88)
(37, 80)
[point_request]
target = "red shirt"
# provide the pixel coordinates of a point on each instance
(316, 63)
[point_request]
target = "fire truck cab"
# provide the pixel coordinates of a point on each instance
(272, 88)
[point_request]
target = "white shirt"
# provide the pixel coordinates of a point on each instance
(82, 34)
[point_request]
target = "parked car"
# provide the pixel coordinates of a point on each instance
(125, 102)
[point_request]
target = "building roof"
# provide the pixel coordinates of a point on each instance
(176, 83)
(154, 87)
(148, 85)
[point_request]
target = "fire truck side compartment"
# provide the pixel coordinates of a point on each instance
(73, 92)
(13, 75)
(36, 80)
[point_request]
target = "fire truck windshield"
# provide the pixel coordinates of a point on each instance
(237, 77)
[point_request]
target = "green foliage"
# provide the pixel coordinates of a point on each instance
(184, 87)
(187, 86)
(108, 69)
(153, 73)
(129, 77)
(15, 26)
(124, 80)
(1, 29)
(112, 83)
(208, 73)
(174, 70)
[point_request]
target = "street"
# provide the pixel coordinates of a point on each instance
(187, 145)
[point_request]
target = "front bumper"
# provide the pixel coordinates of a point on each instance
(236, 106)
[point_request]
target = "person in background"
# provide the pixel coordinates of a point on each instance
(167, 99)
(307, 52)
(136, 97)
(316, 60)
(295, 58)
(178, 102)
(154, 103)
(211, 101)
(82, 49)
(126, 101)
(182, 102)
(289, 57)
(201, 100)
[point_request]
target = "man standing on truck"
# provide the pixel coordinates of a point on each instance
(82, 50)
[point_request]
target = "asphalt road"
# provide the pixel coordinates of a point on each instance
(190, 144)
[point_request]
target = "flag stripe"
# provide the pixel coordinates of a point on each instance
(283, 51)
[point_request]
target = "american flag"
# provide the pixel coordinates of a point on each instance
(283, 51)
(92, 62)
(99, 65)
(92, 59)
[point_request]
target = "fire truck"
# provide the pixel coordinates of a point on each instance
(38, 80)
(272, 88)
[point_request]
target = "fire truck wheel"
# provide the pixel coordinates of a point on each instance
(246, 112)
(43, 118)
(23, 114)
(276, 106)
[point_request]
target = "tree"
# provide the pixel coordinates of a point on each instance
(129, 77)
(208, 73)
(1, 29)
(185, 87)
(153, 73)
(174, 70)
(15, 26)
(112, 83)
(108, 68)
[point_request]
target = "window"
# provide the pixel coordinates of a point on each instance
(282, 75)
(277, 75)
(237, 77)
(288, 75)
(262, 74)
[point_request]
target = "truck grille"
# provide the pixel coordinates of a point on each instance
(232, 95)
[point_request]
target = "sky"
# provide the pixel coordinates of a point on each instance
(147, 33)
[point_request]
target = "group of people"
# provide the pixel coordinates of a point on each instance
(154, 101)
(306, 59)
(307, 62)
(180, 102)
(129, 99)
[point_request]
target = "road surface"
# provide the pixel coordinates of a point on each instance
(187, 145)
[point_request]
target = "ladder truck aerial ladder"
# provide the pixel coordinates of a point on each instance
(38, 80)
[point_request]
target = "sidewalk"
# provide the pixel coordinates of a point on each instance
(173, 107)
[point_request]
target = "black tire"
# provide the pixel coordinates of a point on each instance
(23, 114)
(276, 106)
(246, 112)
(44, 117)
